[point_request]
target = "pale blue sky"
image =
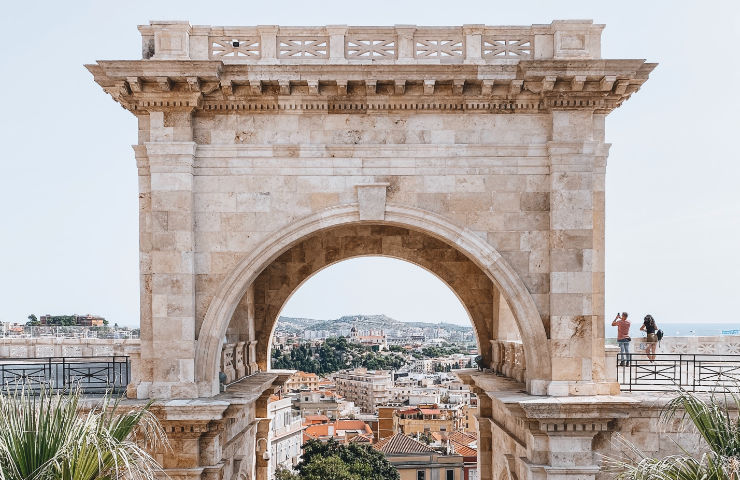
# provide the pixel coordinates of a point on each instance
(68, 184)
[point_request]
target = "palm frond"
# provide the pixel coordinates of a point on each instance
(51, 436)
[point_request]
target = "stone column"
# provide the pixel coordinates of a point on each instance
(171, 337)
(576, 254)
(141, 382)
(485, 438)
(262, 461)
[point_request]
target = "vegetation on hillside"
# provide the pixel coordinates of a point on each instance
(434, 352)
(333, 355)
(716, 421)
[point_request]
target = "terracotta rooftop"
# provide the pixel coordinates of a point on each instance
(463, 450)
(463, 438)
(340, 427)
(311, 419)
(401, 444)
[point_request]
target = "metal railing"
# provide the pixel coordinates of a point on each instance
(93, 375)
(691, 371)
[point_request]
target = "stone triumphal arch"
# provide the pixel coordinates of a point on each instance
(267, 153)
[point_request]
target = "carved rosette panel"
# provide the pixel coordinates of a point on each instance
(45, 351)
(71, 351)
(501, 47)
(18, 352)
(365, 47)
(231, 47)
(103, 351)
(438, 47)
(303, 47)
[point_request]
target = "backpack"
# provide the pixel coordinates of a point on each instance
(659, 334)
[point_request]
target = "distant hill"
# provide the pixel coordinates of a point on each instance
(362, 322)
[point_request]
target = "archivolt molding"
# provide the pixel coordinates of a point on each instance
(234, 286)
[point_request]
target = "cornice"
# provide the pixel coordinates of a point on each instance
(526, 87)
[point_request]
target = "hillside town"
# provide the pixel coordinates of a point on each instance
(417, 412)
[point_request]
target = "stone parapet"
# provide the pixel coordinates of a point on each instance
(342, 44)
(507, 358)
(66, 347)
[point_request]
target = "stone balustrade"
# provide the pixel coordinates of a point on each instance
(712, 345)
(37, 347)
(400, 44)
(235, 362)
(507, 358)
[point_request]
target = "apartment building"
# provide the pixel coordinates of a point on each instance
(285, 437)
(324, 402)
(343, 431)
(427, 419)
(302, 381)
(366, 388)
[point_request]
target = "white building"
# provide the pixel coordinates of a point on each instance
(286, 435)
(366, 388)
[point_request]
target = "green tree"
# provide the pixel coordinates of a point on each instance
(282, 473)
(32, 321)
(718, 425)
(333, 355)
(332, 460)
(50, 437)
(329, 468)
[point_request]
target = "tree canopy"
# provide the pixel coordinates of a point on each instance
(334, 461)
(334, 354)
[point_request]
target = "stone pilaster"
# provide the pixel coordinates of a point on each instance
(262, 455)
(577, 157)
(172, 335)
(485, 438)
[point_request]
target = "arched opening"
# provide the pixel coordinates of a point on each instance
(420, 399)
(251, 297)
(397, 291)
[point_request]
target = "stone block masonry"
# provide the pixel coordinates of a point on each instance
(478, 152)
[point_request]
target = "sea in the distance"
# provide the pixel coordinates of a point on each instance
(699, 329)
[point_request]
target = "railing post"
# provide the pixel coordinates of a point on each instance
(268, 43)
(336, 43)
(406, 47)
(473, 43)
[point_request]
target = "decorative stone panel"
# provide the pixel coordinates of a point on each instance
(18, 351)
(71, 351)
(44, 351)
(103, 350)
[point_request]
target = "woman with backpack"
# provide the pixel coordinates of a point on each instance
(651, 328)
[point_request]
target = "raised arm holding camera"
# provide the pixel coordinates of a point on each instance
(623, 337)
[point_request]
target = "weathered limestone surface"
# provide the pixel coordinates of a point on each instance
(529, 437)
(477, 152)
(18, 347)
